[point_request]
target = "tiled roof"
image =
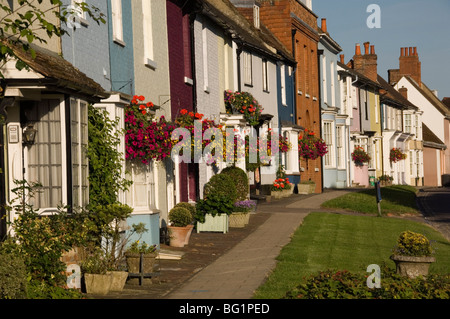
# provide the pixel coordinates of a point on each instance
(393, 96)
(430, 96)
(225, 13)
(361, 77)
(61, 72)
(430, 139)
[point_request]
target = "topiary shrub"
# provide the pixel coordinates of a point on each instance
(13, 276)
(240, 179)
(180, 217)
(223, 185)
(188, 206)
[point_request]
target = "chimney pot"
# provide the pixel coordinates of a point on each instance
(324, 25)
(366, 47)
(357, 49)
(342, 59)
(415, 51)
(372, 49)
(410, 51)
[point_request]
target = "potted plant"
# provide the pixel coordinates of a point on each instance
(192, 210)
(360, 156)
(385, 180)
(213, 213)
(396, 155)
(281, 187)
(133, 257)
(306, 187)
(94, 268)
(180, 221)
(241, 213)
(413, 254)
(240, 180)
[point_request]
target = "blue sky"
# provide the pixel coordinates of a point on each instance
(404, 23)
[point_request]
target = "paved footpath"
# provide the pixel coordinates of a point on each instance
(239, 272)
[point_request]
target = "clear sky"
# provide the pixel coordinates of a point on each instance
(404, 23)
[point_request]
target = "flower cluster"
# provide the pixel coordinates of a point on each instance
(145, 138)
(413, 244)
(310, 146)
(243, 103)
(396, 155)
(244, 206)
(281, 184)
(360, 156)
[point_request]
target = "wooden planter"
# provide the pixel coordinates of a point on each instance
(218, 223)
(306, 188)
(412, 267)
(97, 284)
(239, 219)
(133, 261)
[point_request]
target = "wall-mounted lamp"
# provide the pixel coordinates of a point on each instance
(29, 135)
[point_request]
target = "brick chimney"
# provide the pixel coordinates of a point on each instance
(324, 25)
(367, 63)
(410, 64)
(403, 91)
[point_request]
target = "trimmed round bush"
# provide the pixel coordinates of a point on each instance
(180, 217)
(13, 277)
(222, 185)
(188, 206)
(240, 180)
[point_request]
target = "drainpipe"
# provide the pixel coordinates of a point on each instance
(192, 17)
(238, 58)
(294, 74)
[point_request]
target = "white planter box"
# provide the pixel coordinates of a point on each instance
(218, 223)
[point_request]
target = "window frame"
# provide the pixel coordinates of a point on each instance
(117, 22)
(247, 68)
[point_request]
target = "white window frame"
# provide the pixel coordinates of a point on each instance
(149, 184)
(64, 171)
(78, 11)
(283, 84)
(149, 58)
(265, 75)
(332, 84)
(408, 123)
(83, 185)
(205, 58)
(340, 146)
(117, 22)
(324, 79)
(247, 65)
(328, 137)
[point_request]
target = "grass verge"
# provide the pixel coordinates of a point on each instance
(344, 242)
(396, 200)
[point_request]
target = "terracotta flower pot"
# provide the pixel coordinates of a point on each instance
(179, 235)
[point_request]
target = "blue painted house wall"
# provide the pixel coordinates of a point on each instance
(334, 176)
(86, 47)
(121, 55)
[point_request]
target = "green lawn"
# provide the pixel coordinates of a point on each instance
(344, 242)
(398, 199)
